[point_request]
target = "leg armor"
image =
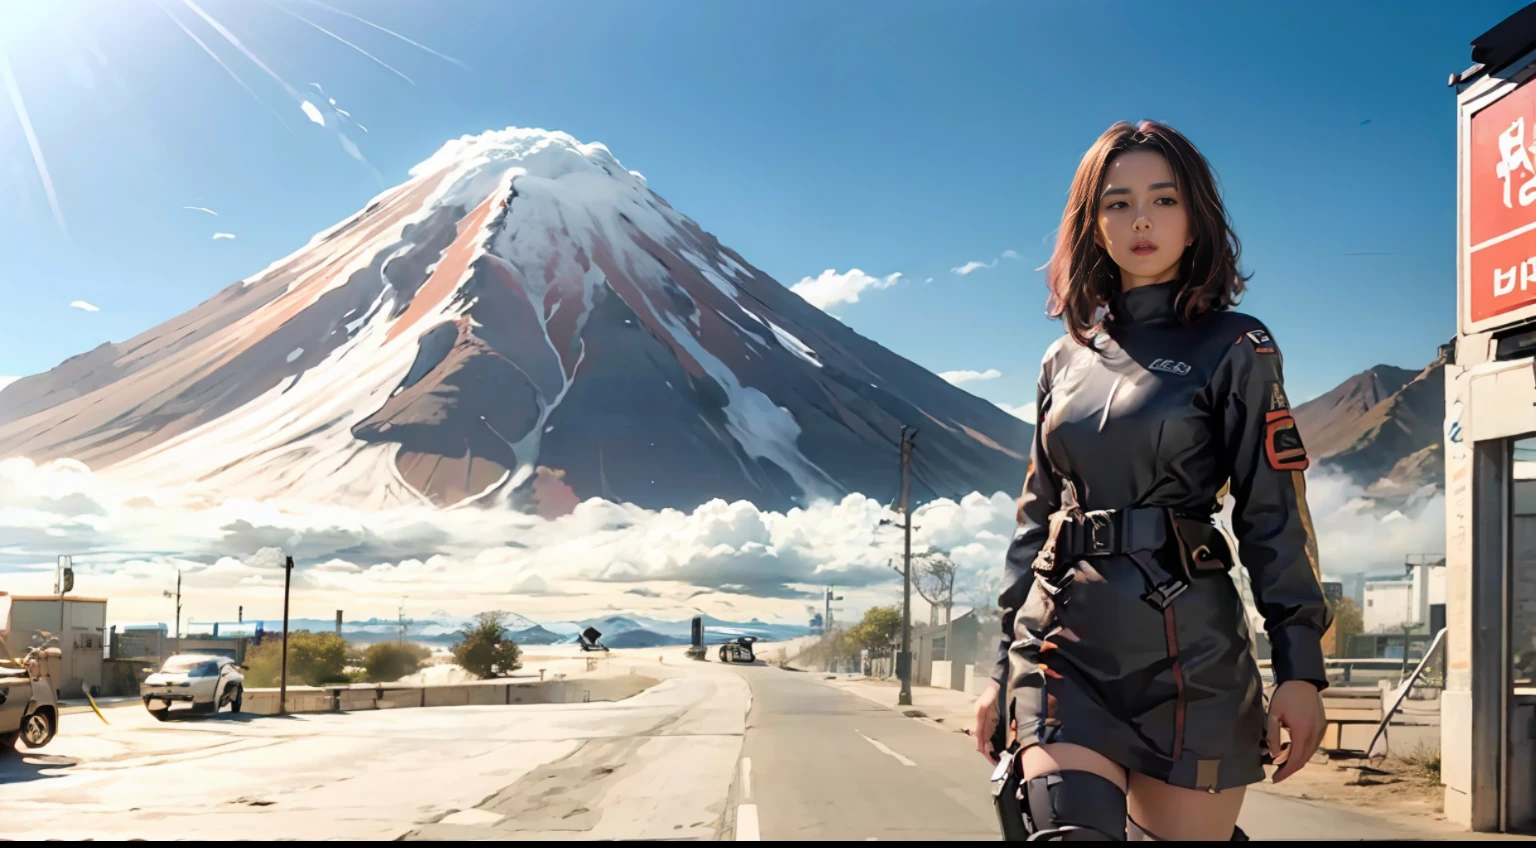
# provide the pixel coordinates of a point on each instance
(1066, 806)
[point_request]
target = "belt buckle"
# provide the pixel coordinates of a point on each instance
(1165, 593)
(1098, 533)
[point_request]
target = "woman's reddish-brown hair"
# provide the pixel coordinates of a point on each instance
(1082, 276)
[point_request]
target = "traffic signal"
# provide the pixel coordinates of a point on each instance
(69, 579)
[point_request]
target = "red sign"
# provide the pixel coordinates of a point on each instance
(1502, 205)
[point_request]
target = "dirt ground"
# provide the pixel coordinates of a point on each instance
(1406, 786)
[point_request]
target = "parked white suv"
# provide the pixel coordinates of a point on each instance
(204, 683)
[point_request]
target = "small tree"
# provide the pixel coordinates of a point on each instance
(1348, 621)
(878, 629)
(314, 659)
(483, 649)
(934, 576)
(387, 662)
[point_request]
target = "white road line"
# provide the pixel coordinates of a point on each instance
(746, 824)
(746, 778)
(884, 750)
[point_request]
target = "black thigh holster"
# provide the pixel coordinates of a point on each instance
(1065, 806)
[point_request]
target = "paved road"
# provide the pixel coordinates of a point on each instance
(828, 764)
(711, 752)
(656, 766)
(825, 764)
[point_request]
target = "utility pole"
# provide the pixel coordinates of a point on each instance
(401, 614)
(65, 653)
(282, 695)
(904, 662)
(176, 633)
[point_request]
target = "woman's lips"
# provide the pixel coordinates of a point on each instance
(1143, 248)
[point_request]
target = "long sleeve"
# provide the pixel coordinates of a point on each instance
(1276, 541)
(1039, 500)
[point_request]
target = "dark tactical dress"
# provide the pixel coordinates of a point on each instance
(1133, 451)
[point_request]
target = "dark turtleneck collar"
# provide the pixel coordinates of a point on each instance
(1152, 304)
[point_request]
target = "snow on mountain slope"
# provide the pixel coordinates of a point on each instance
(523, 323)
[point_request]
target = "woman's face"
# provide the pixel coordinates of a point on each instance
(1141, 219)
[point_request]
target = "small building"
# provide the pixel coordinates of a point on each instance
(80, 624)
(970, 640)
(1488, 709)
(1404, 601)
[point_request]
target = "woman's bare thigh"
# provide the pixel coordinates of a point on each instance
(1064, 756)
(1176, 814)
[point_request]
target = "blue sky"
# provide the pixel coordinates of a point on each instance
(887, 136)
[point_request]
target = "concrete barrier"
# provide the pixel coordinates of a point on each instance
(384, 696)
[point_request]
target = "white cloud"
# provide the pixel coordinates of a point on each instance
(217, 236)
(973, 265)
(83, 306)
(313, 112)
(958, 377)
(832, 288)
(929, 280)
(1026, 412)
(730, 560)
(201, 209)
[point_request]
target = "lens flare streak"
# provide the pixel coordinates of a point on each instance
(20, 106)
(227, 69)
(390, 32)
(381, 62)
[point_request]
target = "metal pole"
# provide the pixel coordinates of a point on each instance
(282, 696)
(64, 654)
(949, 606)
(905, 698)
(178, 610)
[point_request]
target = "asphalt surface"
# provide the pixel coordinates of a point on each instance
(825, 764)
(711, 752)
(658, 765)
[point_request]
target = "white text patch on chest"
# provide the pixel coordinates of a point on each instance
(1169, 366)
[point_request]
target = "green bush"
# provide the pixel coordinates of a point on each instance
(387, 662)
(483, 649)
(314, 659)
(880, 627)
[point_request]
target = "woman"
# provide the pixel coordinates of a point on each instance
(1129, 683)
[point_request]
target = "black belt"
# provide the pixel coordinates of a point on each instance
(1192, 543)
(1105, 532)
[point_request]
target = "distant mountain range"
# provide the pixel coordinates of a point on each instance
(619, 631)
(1383, 428)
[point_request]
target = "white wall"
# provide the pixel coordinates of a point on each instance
(1388, 605)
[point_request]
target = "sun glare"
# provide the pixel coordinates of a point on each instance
(26, 24)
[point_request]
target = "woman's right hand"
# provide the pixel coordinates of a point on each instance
(986, 721)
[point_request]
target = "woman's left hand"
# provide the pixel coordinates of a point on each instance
(1298, 707)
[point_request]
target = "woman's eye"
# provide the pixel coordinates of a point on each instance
(1170, 201)
(1115, 205)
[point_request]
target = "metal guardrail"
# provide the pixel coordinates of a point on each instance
(1370, 670)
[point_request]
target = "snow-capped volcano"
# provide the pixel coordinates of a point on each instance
(523, 323)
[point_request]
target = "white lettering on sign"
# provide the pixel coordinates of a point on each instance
(1515, 157)
(1504, 278)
